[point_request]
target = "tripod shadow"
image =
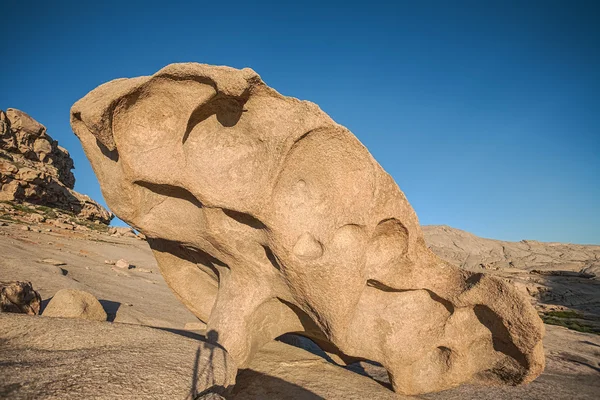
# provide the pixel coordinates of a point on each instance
(204, 368)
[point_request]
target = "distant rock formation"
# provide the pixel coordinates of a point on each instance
(267, 217)
(472, 252)
(35, 169)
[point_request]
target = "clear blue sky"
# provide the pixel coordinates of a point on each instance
(487, 113)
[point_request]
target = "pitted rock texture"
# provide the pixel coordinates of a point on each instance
(267, 217)
(35, 169)
(19, 297)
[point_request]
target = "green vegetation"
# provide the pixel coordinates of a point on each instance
(564, 314)
(23, 208)
(568, 319)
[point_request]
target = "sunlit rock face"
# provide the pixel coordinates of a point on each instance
(267, 217)
(35, 169)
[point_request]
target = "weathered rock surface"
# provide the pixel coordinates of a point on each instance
(556, 276)
(473, 252)
(267, 217)
(77, 359)
(72, 303)
(19, 297)
(35, 169)
(571, 357)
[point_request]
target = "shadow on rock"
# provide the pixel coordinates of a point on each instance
(181, 332)
(253, 385)
(44, 304)
(111, 308)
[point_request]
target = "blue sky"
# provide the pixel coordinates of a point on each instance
(486, 113)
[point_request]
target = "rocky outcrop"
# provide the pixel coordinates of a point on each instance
(122, 232)
(473, 252)
(19, 297)
(267, 217)
(72, 303)
(35, 169)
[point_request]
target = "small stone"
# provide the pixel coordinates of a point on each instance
(109, 262)
(48, 230)
(25, 228)
(52, 261)
(122, 263)
(3, 224)
(145, 270)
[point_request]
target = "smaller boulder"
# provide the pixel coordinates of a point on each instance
(122, 263)
(19, 297)
(72, 303)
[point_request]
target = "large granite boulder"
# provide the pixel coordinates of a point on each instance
(35, 169)
(267, 217)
